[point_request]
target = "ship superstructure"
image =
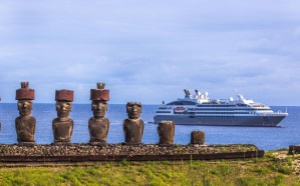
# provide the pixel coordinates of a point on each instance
(199, 109)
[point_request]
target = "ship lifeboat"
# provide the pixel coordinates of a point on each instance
(179, 109)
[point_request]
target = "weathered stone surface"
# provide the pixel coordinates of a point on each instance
(24, 93)
(64, 95)
(197, 137)
(25, 124)
(134, 110)
(100, 93)
(294, 149)
(133, 131)
(99, 125)
(166, 131)
(62, 126)
(25, 128)
(98, 129)
(62, 130)
(133, 127)
(118, 149)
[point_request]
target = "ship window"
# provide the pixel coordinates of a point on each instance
(214, 105)
(182, 103)
(163, 112)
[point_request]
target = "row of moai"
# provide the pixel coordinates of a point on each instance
(98, 125)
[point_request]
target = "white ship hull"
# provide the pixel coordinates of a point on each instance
(200, 110)
(263, 121)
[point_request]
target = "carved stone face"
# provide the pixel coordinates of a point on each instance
(134, 110)
(24, 107)
(63, 109)
(99, 108)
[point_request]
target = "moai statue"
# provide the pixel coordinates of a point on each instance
(166, 131)
(197, 137)
(99, 124)
(62, 126)
(0, 122)
(25, 124)
(133, 127)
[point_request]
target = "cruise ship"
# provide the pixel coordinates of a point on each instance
(199, 109)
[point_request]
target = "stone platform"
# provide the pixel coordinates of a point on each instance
(119, 152)
(294, 149)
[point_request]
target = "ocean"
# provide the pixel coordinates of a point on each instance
(265, 138)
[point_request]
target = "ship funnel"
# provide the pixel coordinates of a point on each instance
(186, 92)
(197, 92)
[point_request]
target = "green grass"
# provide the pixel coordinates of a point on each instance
(264, 171)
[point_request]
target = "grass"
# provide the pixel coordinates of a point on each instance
(248, 172)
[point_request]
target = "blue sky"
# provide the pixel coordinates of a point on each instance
(149, 51)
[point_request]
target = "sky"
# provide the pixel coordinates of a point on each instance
(149, 51)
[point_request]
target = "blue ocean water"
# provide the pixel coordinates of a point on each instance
(266, 138)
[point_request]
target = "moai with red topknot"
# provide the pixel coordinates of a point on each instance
(133, 127)
(25, 124)
(99, 124)
(62, 126)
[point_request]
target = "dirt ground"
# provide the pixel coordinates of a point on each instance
(295, 163)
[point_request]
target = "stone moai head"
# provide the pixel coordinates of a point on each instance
(134, 110)
(64, 100)
(197, 137)
(99, 98)
(166, 131)
(24, 95)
